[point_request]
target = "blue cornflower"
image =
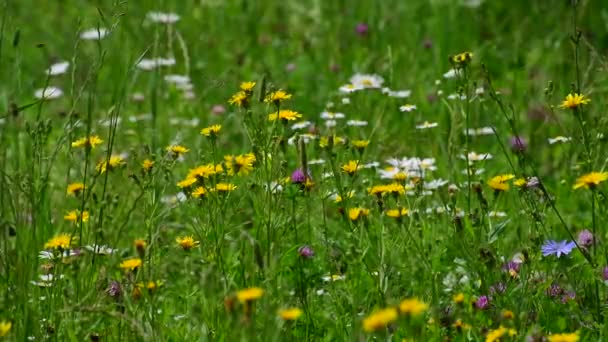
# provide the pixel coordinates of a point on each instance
(557, 248)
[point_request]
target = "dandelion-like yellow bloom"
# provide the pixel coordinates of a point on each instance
(5, 327)
(249, 294)
(380, 319)
(393, 188)
(224, 187)
(590, 180)
(351, 167)
(397, 213)
(114, 162)
(90, 141)
(412, 307)
(458, 298)
(356, 213)
(334, 140)
(284, 115)
(75, 188)
(240, 99)
(277, 97)
(186, 183)
(247, 86)
(496, 334)
(75, 216)
(290, 314)
(211, 131)
(205, 171)
(61, 241)
(131, 264)
(177, 150)
(147, 165)
(574, 101)
(499, 183)
(571, 337)
(462, 59)
(187, 242)
(241, 164)
(519, 182)
(199, 192)
(360, 144)
(508, 314)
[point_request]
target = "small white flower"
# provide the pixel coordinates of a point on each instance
(330, 105)
(94, 34)
(306, 138)
(177, 79)
(497, 214)
(102, 250)
(58, 68)
(434, 184)
(365, 81)
(408, 108)
(474, 156)
(450, 74)
(426, 125)
(151, 64)
(331, 115)
(455, 96)
(479, 131)
(349, 88)
(356, 123)
(163, 18)
(48, 93)
(371, 165)
(559, 139)
(479, 91)
(325, 175)
(476, 172)
(396, 93)
(301, 125)
(316, 162)
(110, 122)
(330, 123)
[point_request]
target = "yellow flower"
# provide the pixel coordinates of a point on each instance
(380, 319)
(249, 294)
(241, 164)
(114, 162)
(412, 306)
(462, 59)
(151, 286)
(499, 183)
(397, 213)
(349, 194)
(508, 314)
(140, 245)
(351, 167)
(572, 337)
(147, 165)
(211, 131)
(496, 334)
(177, 150)
(61, 241)
(240, 99)
(224, 187)
(186, 183)
(187, 242)
(519, 182)
(75, 216)
(356, 213)
(75, 188)
(332, 140)
(590, 180)
(290, 314)
(5, 327)
(393, 188)
(360, 144)
(460, 325)
(574, 101)
(247, 86)
(199, 192)
(205, 171)
(277, 97)
(458, 298)
(284, 115)
(90, 141)
(131, 264)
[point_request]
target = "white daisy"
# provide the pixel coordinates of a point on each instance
(396, 93)
(559, 139)
(474, 156)
(58, 68)
(434, 184)
(366, 81)
(426, 125)
(356, 123)
(305, 137)
(349, 88)
(331, 115)
(163, 18)
(301, 125)
(408, 108)
(330, 123)
(48, 93)
(94, 34)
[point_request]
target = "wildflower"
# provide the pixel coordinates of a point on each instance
(499, 183)
(482, 302)
(5, 327)
(460, 325)
(75, 188)
(306, 252)
(461, 60)
(250, 294)
(496, 334)
(140, 246)
(298, 176)
(397, 213)
(211, 131)
(380, 319)
(204, 171)
(365, 81)
(88, 142)
(331, 115)
(585, 238)
(559, 139)
(240, 99)
(360, 145)
(199, 192)
(590, 180)
(290, 314)
(356, 123)
(426, 125)
(396, 93)
(247, 87)
(176, 150)
(101, 250)
(163, 18)
(241, 164)
(519, 182)
(94, 34)
(362, 29)
(61, 242)
(350, 88)
(277, 97)
(114, 162)
(356, 213)
(187, 242)
(186, 183)
(518, 144)
(284, 115)
(408, 108)
(574, 101)
(351, 167)
(224, 187)
(48, 93)
(474, 156)
(557, 248)
(114, 290)
(412, 306)
(131, 264)
(571, 337)
(76, 216)
(508, 314)
(605, 273)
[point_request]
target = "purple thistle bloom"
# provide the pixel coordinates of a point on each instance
(306, 252)
(518, 144)
(482, 302)
(362, 29)
(298, 177)
(557, 248)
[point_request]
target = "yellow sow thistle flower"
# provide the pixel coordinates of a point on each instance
(247, 87)
(499, 183)
(360, 144)
(75, 188)
(249, 295)
(351, 167)
(240, 99)
(380, 319)
(5, 327)
(241, 164)
(496, 334)
(284, 115)
(75, 216)
(199, 192)
(574, 101)
(61, 241)
(277, 97)
(186, 183)
(224, 187)
(290, 314)
(397, 213)
(205, 171)
(590, 180)
(355, 214)
(131, 264)
(571, 337)
(177, 150)
(91, 142)
(147, 165)
(519, 182)
(462, 59)
(114, 162)
(458, 298)
(211, 131)
(412, 307)
(187, 242)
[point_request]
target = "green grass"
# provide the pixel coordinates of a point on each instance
(527, 57)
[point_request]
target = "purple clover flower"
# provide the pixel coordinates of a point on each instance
(557, 248)
(482, 302)
(306, 252)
